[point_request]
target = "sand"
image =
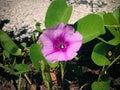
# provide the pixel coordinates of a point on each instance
(23, 14)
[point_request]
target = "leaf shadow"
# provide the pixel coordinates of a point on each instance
(3, 22)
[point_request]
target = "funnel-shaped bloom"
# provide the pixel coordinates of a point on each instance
(60, 43)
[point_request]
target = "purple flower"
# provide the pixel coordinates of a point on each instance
(60, 43)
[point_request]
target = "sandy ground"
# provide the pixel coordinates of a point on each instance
(23, 14)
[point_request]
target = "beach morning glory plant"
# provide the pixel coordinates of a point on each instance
(49, 62)
(60, 43)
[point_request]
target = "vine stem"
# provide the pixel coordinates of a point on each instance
(112, 62)
(62, 67)
(112, 26)
(19, 82)
(27, 79)
(102, 40)
(101, 73)
(103, 69)
(83, 86)
(45, 75)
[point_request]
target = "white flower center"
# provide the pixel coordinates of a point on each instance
(62, 46)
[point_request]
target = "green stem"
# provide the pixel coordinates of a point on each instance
(27, 79)
(46, 76)
(62, 67)
(103, 69)
(33, 37)
(19, 82)
(113, 62)
(48, 79)
(102, 40)
(112, 26)
(101, 73)
(14, 62)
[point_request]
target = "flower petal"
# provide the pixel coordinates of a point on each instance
(76, 36)
(74, 46)
(55, 32)
(56, 56)
(47, 45)
(71, 54)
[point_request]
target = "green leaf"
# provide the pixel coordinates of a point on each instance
(116, 13)
(22, 68)
(102, 85)
(112, 24)
(90, 26)
(6, 54)
(58, 12)
(116, 39)
(99, 54)
(7, 68)
(38, 27)
(23, 44)
(109, 19)
(53, 65)
(8, 44)
(101, 14)
(36, 55)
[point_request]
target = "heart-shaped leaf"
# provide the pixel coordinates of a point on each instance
(58, 12)
(99, 54)
(90, 26)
